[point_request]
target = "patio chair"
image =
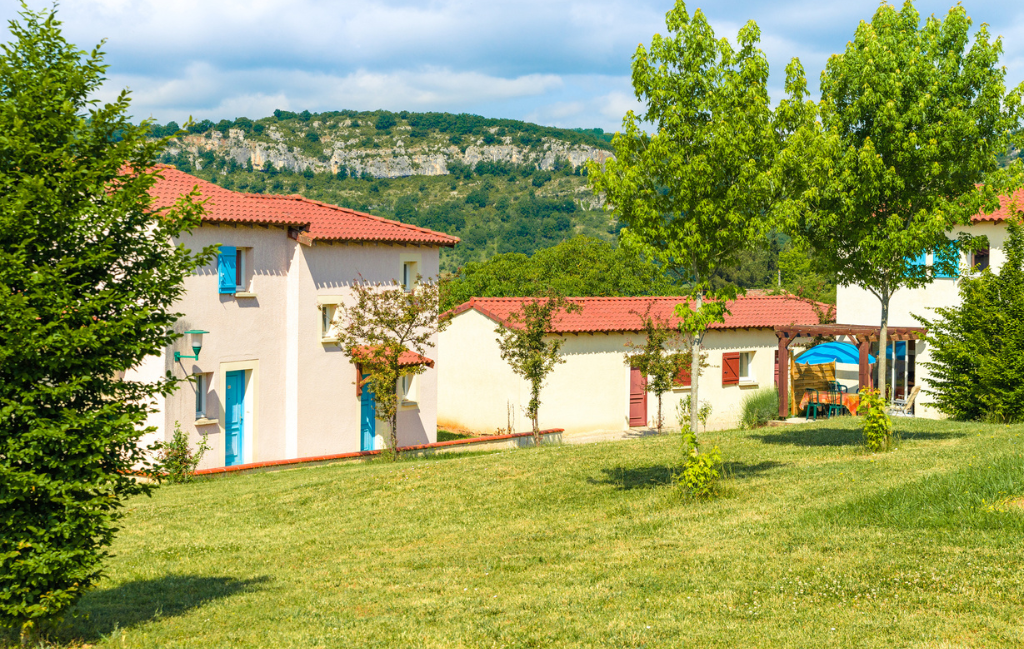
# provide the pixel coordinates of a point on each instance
(835, 398)
(902, 407)
(814, 402)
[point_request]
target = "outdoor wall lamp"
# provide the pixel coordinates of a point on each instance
(197, 344)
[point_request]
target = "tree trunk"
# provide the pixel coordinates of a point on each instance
(535, 415)
(660, 421)
(394, 436)
(695, 373)
(883, 370)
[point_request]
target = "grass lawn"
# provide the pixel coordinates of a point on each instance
(815, 543)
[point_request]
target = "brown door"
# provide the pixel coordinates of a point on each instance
(637, 398)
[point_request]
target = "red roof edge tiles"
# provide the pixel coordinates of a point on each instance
(321, 221)
(1015, 200)
(623, 314)
(405, 359)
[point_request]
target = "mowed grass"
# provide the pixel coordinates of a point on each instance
(815, 543)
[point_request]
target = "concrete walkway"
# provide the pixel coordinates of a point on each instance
(592, 436)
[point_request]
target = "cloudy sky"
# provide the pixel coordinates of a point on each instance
(555, 62)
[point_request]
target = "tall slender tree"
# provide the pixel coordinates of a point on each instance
(912, 120)
(697, 188)
(89, 276)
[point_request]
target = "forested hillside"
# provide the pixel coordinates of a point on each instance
(501, 185)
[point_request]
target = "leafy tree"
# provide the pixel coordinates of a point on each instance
(977, 371)
(580, 267)
(658, 358)
(385, 122)
(89, 276)
(911, 126)
(530, 350)
(384, 323)
(696, 192)
(312, 136)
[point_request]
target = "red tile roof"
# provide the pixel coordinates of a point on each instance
(324, 222)
(405, 359)
(607, 314)
(1004, 212)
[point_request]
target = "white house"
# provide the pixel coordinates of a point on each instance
(269, 382)
(857, 306)
(595, 389)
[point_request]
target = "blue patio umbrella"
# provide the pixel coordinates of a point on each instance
(832, 353)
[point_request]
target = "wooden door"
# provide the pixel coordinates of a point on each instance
(234, 421)
(367, 418)
(637, 398)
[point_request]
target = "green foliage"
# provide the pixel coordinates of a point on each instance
(178, 461)
(760, 407)
(977, 348)
(699, 475)
(385, 122)
(528, 349)
(384, 323)
(580, 267)
(683, 411)
(904, 150)
(697, 192)
(89, 275)
(877, 425)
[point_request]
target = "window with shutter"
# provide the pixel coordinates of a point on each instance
(682, 379)
(731, 368)
(226, 270)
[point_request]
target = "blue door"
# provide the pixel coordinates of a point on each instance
(367, 418)
(234, 424)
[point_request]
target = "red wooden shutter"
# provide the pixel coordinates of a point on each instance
(776, 368)
(731, 368)
(682, 377)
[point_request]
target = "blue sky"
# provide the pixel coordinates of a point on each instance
(555, 62)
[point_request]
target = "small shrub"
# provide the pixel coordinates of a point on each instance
(683, 413)
(701, 471)
(760, 407)
(178, 461)
(877, 425)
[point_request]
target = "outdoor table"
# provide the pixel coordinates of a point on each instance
(851, 401)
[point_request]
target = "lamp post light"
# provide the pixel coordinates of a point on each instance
(197, 344)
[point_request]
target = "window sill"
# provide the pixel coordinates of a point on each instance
(244, 294)
(410, 405)
(203, 421)
(748, 384)
(328, 340)
(680, 388)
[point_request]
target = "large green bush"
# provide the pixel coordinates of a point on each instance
(88, 277)
(977, 348)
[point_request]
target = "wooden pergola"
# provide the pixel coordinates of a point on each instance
(864, 335)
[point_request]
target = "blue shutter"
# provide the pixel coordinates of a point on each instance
(226, 269)
(949, 254)
(918, 260)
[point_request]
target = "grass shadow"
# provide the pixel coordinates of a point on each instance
(748, 470)
(643, 477)
(842, 436)
(101, 612)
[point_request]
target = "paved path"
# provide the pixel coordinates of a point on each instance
(592, 436)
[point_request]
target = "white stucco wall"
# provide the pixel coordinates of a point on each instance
(589, 392)
(857, 306)
(301, 398)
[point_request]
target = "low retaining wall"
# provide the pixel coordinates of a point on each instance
(475, 444)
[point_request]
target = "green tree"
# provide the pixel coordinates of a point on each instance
(529, 348)
(911, 126)
(89, 276)
(385, 122)
(697, 190)
(580, 267)
(977, 348)
(384, 323)
(658, 357)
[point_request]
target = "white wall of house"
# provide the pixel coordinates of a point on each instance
(300, 389)
(857, 306)
(589, 392)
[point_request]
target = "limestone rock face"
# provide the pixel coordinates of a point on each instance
(397, 162)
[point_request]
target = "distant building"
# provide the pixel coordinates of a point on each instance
(270, 383)
(595, 390)
(857, 306)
